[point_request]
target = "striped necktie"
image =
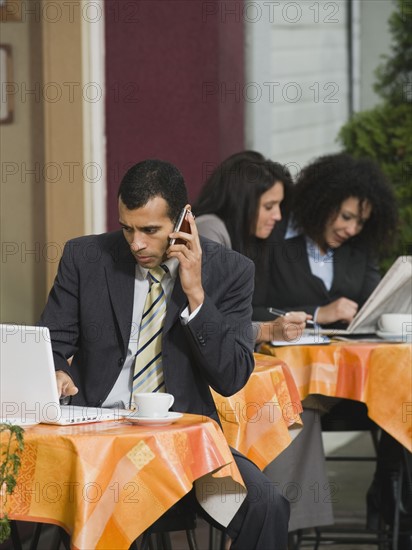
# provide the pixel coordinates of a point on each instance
(148, 371)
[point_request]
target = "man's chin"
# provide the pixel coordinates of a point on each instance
(147, 262)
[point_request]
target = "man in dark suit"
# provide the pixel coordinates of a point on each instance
(96, 305)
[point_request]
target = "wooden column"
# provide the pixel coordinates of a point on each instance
(62, 95)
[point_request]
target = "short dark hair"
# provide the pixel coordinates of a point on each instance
(233, 190)
(324, 184)
(154, 178)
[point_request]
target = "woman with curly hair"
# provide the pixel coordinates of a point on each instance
(323, 261)
(324, 258)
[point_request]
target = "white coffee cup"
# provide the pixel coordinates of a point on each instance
(153, 405)
(397, 323)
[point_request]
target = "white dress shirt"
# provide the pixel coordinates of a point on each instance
(120, 394)
(321, 265)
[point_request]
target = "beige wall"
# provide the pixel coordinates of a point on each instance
(62, 70)
(21, 187)
(42, 189)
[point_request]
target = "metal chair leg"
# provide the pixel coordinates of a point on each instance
(211, 537)
(318, 537)
(36, 536)
(144, 543)
(217, 538)
(164, 540)
(15, 537)
(191, 539)
(299, 539)
(295, 539)
(65, 538)
(396, 515)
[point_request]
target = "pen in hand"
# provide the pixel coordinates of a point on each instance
(282, 313)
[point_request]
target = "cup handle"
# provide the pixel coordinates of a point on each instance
(172, 400)
(379, 324)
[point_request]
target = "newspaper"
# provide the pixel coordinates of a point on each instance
(392, 295)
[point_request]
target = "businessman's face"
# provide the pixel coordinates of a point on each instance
(147, 230)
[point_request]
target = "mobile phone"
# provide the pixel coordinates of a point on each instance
(181, 225)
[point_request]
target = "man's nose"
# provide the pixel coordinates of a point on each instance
(137, 243)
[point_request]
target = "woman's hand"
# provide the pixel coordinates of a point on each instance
(343, 310)
(288, 327)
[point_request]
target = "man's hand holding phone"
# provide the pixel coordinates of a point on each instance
(185, 246)
(182, 225)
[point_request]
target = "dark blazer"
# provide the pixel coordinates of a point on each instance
(288, 283)
(89, 314)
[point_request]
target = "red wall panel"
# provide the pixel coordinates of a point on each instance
(170, 66)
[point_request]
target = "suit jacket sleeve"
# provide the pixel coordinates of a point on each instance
(61, 314)
(221, 335)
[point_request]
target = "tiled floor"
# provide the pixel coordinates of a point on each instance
(352, 481)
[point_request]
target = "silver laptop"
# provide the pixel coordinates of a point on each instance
(28, 389)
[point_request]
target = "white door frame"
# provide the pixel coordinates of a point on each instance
(94, 131)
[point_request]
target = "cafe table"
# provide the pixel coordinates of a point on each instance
(263, 418)
(105, 483)
(378, 374)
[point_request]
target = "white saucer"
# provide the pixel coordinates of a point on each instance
(386, 335)
(150, 421)
(19, 422)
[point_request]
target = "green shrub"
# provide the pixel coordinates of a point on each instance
(384, 133)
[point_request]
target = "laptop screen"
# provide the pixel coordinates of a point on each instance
(28, 389)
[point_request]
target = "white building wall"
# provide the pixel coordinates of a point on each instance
(296, 86)
(374, 43)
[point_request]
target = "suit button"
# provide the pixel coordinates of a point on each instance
(120, 362)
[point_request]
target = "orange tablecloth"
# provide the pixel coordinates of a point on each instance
(379, 375)
(105, 483)
(258, 421)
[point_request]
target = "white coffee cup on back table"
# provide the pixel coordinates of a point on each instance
(397, 323)
(153, 405)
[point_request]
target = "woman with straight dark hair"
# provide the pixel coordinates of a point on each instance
(239, 206)
(229, 202)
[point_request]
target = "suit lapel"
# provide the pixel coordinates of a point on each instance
(311, 280)
(342, 259)
(120, 276)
